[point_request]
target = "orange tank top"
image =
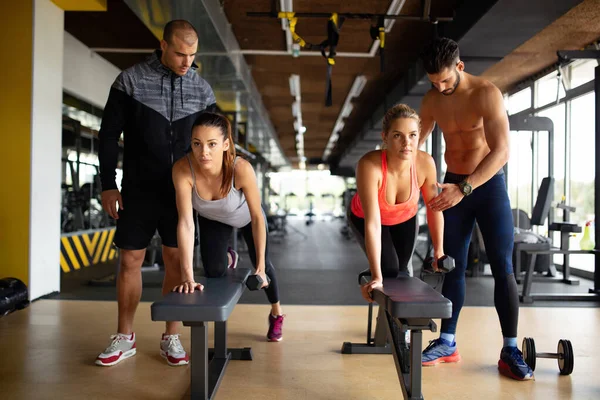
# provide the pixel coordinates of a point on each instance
(392, 214)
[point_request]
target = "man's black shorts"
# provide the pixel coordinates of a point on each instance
(143, 213)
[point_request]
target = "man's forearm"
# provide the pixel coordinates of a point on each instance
(110, 131)
(435, 222)
(488, 167)
(108, 155)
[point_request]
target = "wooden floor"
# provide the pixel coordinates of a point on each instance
(47, 352)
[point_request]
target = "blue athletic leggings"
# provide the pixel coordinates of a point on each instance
(490, 207)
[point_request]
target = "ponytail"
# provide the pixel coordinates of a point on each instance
(228, 161)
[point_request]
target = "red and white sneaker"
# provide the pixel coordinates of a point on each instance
(172, 350)
(121, 347)
(234, 258)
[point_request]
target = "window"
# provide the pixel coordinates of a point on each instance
(519, 171)
(573, 152)
(557, 115)
(582, 72)
(302, 190)
(519, 101)
(582, 171)
(87, 171)
(88, 120)
(444, 167)
(546, 89)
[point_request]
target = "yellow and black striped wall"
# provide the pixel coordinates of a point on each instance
(83, 249)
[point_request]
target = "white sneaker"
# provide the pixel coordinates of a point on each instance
(121, 347)
(172, 350)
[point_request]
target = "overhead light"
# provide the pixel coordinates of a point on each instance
(347, 110)
(357, 86)
(394, 9)
(295, 86)
(299, 127)
(298, 122)
(355, 90)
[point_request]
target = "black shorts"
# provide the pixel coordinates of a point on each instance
(144, 213)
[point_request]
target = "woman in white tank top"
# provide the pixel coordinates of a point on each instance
(222, 188)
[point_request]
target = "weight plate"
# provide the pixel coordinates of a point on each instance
(529, 354)
(565, 357)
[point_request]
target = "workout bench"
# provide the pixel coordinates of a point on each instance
(405, 303)
(213, 304)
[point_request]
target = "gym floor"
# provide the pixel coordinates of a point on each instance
(48, 349)
(48, 352)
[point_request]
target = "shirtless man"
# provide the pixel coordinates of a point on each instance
(470, 112)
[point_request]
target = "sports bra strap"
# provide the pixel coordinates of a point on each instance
(191, 169)
(383, 170)
(233, 177)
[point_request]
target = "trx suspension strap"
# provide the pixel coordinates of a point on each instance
(378, 32)
(333, 36)
(292, 20)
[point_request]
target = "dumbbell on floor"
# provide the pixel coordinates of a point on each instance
(564, 355)
(255, 282)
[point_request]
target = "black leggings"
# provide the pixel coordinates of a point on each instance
(214, 240)
(397, 244)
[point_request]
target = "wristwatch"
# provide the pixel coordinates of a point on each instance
(465, 188)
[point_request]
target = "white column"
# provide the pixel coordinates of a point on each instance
(46, 149)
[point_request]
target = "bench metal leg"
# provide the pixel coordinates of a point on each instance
(416, 342)
(377, 345)
(199, 364)
(409, 366)
(370, 323)
(208, 365)
(221, 351)
(398, 351)
(526, 296)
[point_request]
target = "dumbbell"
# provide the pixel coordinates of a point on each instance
(445, 264)
(564, 355)
(255, 282)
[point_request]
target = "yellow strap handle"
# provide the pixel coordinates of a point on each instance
(292, 21)
(381, 37)
(334, 18)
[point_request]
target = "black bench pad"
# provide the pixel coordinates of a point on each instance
(214, 303)
(409, 297)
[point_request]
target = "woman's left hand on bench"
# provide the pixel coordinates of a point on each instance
(188, 287)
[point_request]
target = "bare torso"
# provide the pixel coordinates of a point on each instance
(458, 118)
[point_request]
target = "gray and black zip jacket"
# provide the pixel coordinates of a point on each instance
(155, 109)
